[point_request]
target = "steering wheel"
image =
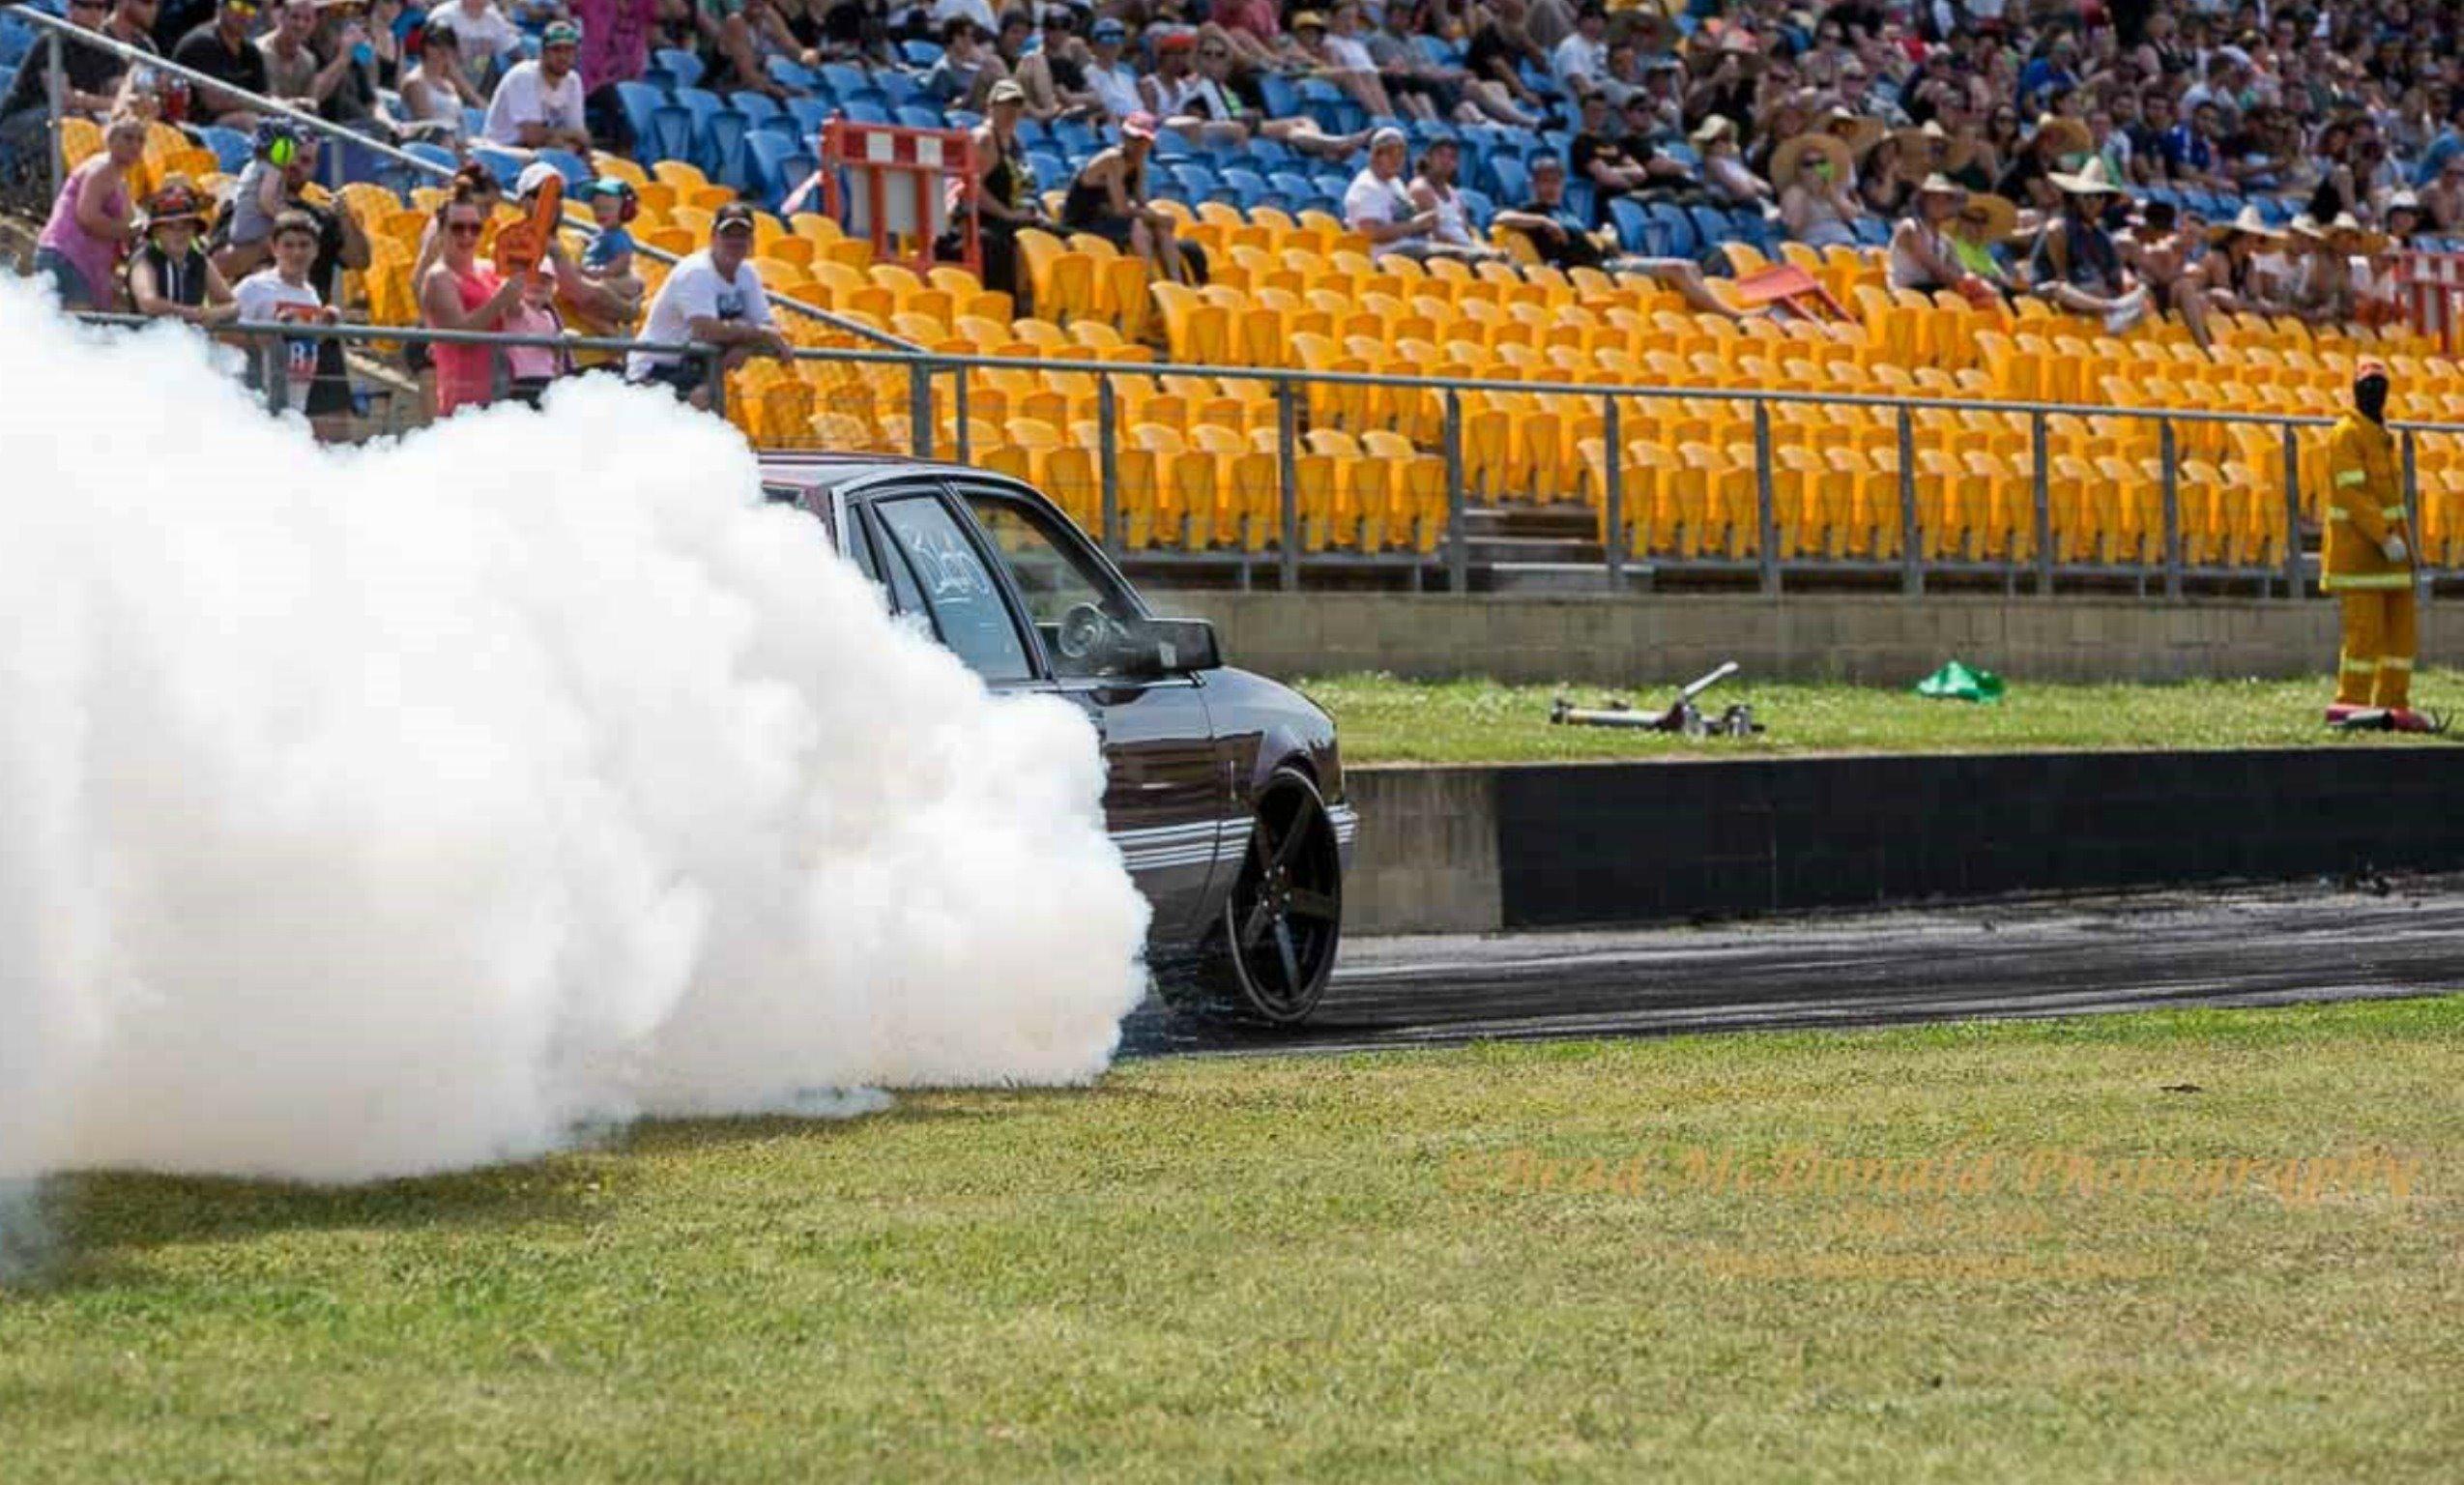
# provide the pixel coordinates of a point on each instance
(1084, 631)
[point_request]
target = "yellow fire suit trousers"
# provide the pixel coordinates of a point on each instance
(2379, 641)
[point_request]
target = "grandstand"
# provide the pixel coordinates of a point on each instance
(1889, 454)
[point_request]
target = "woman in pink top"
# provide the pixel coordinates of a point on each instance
(462, 292)
(91, 224)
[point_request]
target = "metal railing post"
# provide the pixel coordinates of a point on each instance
(1613, 499)
(275, 370)
(1765, 510)
(1911, 549)
(1108, 461)
(2172, 508)
(1458, 552)
(2292, 514)
(2043, 493)
(920, 408)
(2411, 492)
(1287, 480)
(55, 103)
(965, 439)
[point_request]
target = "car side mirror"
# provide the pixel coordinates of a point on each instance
(1170, 647)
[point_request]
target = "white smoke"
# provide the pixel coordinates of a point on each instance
(368, 813)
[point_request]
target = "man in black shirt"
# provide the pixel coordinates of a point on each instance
(1562, 239)
(224, 50)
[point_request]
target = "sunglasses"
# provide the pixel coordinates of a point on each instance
(1217, 53)
(465, 229)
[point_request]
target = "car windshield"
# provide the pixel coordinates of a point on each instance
(941, 569)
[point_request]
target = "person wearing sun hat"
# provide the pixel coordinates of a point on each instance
(1984, 223)
(2366, 559)
(1921, 255)
(2244, 270)
(539, 105)
(2076, 266)
(169, 274)
(2028, 179)
(1725, 173)
(1815, 178)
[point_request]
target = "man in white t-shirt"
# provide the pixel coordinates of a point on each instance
(1109, 76)
(1582, 60)
(538, 106)
(485, 42)
(1377, 207)
(282, 294)
(710, 298)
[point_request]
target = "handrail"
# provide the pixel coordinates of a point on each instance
(60, 29)
(922, 372)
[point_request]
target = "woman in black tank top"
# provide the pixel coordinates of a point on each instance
(1108, 200)
(1005, 202)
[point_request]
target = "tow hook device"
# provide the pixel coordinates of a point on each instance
(1681, 715)
(2387, 720)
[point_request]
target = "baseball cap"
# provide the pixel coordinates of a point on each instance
(1110, 29)
(1139, 125)
(733, 215)
(1307, 20)
(2367, 367)
(536, 174)
(561, 33)
(1385, 138)
(605, 186)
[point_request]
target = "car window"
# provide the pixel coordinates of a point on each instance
(954, 586)
(1054, 574)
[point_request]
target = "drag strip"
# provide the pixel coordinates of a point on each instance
(2047, 957)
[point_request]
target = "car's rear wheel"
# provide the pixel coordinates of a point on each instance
(1281, 920)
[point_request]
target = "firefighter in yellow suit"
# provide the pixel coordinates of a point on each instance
(2369, 559)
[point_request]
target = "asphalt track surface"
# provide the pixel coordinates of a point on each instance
(2258, 945)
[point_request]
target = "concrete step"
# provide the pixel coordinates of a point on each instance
(1557, 578)
(1493, 551)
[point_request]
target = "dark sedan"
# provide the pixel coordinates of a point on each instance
(1222, 789)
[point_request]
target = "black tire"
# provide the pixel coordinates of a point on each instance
(1273, 950)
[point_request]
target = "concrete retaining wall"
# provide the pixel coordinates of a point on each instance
(1475, 849)
(1623, 641)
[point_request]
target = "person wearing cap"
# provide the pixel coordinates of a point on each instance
(1560, 238)
(169, 274)
(539, 105)
(1109, 198)
(1109, 76)
(1052, 78)
(607, 261)
(712, 298)
(2366, 560)
(1818, 199)
(2076, 265)
(1209, 105)
(1005, 200)
(1378, 207)
(964, 74)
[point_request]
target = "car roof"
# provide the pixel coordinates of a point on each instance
(828, 471)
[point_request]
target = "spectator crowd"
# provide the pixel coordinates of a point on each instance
(2116, 157)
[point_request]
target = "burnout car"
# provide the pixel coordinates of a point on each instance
(1222, 789)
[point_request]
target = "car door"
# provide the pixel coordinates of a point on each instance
(1166, 795)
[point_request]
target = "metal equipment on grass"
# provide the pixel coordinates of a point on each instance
(1681, 715)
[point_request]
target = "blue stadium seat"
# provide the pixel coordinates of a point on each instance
(917, 116)
(866, 110)
(1197, 181)
(1270, 154)
(1510, 178)
(15, 41)
(847, 81)
(641, 104)
(232, 148)
(1332, 107)
(507, 168)
(683, 65)
(1291, 185)
(1673, 226)
(755, 106)
(416, 149)
(474, 122)
(1077, 136)
(1873, 232)
(919, 53)
(810, 114)
(774, 165)
(672, 130)
(1478, 207)
(722, 146)
(898, 89)
(1248, 187)
(789, 74)
(573, 168)
(1281, 97)
(783, 124)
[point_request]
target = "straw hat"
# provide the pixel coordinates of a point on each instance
(1940, 184)
(2346, 235)
(2001, 215)
(2401, 201)
(2249, 224)
(1861, 131)
(2070, 136)
(1785, 159)
(2093, 179)
(1934, 145)
(1713, 129)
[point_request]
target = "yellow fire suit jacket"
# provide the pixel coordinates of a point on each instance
(2365, 504)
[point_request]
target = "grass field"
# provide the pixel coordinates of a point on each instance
(1385, 720)
(1950, 1256)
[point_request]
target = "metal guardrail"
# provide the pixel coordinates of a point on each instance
(930, 376)
(57, 32)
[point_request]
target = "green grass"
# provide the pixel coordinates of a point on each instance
(1386, 720)
(1339, 1269)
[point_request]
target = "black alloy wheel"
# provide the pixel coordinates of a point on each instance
(1284, 915)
